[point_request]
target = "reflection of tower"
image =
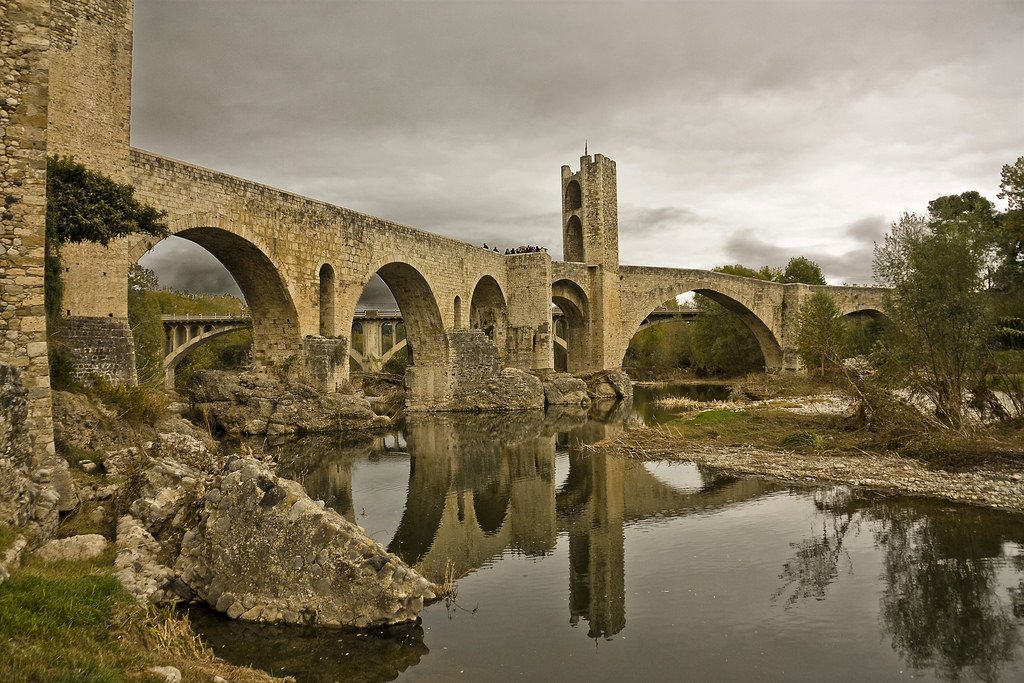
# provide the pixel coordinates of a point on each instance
(597, 564)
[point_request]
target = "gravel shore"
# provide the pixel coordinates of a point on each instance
(995, 487)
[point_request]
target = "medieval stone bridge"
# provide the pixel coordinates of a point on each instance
(302, 264)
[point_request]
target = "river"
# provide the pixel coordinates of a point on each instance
(574, 566)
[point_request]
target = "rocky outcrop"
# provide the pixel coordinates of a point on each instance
(609, 384)
(259, 404)
(509, 390)
(563, 389)
(72, 549)
(229, 532)
(264, 551)
(28, 498)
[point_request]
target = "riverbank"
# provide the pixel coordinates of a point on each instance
(992, 484)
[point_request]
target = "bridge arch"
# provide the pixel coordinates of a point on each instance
(421, 314)
(276, 333)
(325, 275)
(729, 297)
(575, 306)
(488, 310)
(182, 345)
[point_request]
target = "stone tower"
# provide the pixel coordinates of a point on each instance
(590, 213)
(590, 236)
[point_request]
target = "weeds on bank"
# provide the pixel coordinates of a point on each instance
(72, 621)
(136, 405)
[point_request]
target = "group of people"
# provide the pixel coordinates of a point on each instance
(523, 249)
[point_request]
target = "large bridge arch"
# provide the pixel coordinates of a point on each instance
(488, 310)
(276, 332)
(758, 304)
(418, 302)
(574, 303)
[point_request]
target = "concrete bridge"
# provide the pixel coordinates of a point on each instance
(302, 264)
(377, 336)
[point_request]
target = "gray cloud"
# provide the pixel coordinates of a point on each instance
(852, 265)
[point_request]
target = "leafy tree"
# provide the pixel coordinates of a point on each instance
(721, 343)
(140, 278)
(1010, 234)
(820, 334)
(801, 269)
(85, 206)
(1012, 184)
(938, 341)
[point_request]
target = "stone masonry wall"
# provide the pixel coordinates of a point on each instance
(24, 40)
(89, 119)
(101, 346)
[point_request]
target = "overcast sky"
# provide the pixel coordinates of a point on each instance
(743, 131)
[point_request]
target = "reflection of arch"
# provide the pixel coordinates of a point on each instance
(575, 307)
(573, 243)
(421, 315)
(327, 301)
(274, 319)
(488, 311)
(573, 196)
(491, 502)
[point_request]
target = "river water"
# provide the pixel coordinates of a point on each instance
(575, 566)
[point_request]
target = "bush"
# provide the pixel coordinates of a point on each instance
(137, 405)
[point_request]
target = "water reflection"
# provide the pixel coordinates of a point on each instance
(476, 491)
(943, 605)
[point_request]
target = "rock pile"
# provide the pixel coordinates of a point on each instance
(260, 404)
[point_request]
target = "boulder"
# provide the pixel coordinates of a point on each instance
(609, 384)
(264, 551)
(563, 389)
(259, 404)
(84, 547)
(508, 390)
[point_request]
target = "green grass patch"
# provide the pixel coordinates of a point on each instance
(719, 417)
(72, 621)
(8, 534)
(57, 623)
(764, 427)
(136, 405)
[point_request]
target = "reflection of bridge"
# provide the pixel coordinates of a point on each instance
(482, 485)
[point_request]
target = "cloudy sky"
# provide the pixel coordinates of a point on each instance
(743, 131)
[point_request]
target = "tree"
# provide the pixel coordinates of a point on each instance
(721, 343)
(801, 269)
(937, 344)
(85, 206)
(820, 333)
(1010, 233)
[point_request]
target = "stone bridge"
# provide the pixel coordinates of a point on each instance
(469, 314)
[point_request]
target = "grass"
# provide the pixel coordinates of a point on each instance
(136, 405)
(7, 537)
(72, 621)
(764, 427)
